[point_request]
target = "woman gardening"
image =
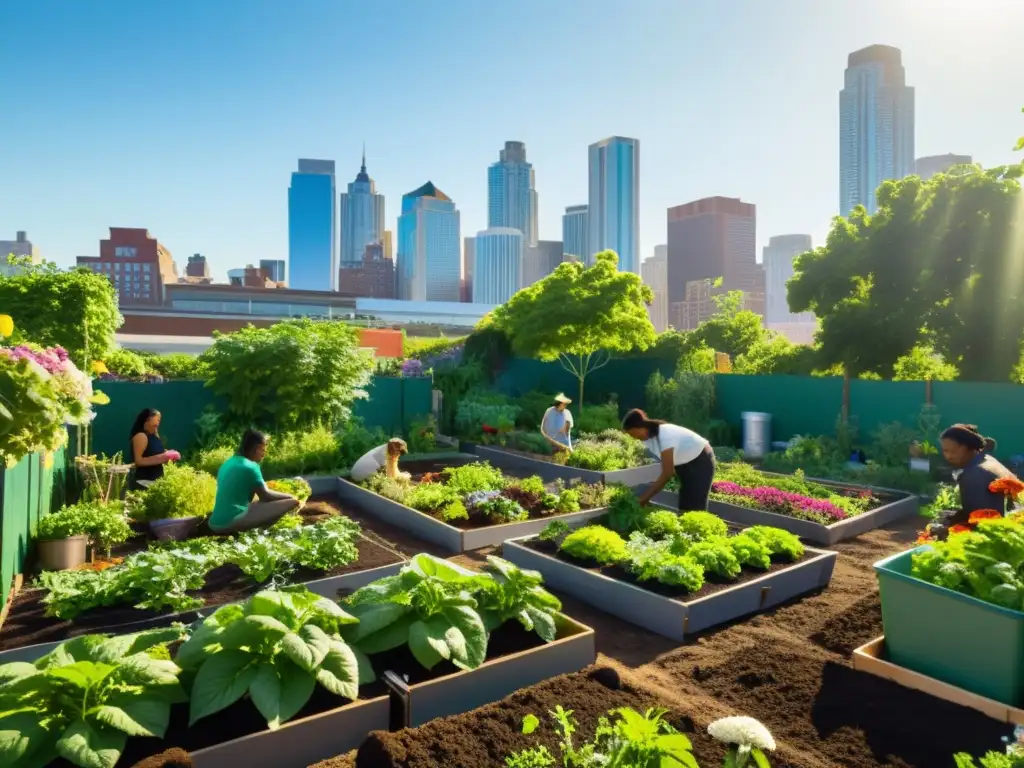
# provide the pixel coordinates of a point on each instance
(147, 450)
(682, 452)
(556, 425)
(238, 480)
(382, 457)
(965, 449)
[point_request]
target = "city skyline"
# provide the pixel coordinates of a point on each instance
(196, 162)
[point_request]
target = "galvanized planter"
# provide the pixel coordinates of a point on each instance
(549, 471)
(453, 539)
(301, 742)
(328, 587)
(827, 535)
(670, 617)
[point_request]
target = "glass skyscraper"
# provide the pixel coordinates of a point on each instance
(498, 265)
(876, 126)
(429, 257)
(362, 218)
(511, 197)
(312, 224)
(614, 210)
(575, 229)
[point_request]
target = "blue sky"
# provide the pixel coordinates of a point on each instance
(187, 117)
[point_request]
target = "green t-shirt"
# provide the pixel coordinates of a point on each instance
(237, 481)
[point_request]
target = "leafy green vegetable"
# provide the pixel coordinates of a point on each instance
(779, 542)
(478, 476)
(553, 531)
(595, 543)
(661, 524)
(607, 451)
(625, 513)
(181, 492)
(654, 560)
(295, 486)
(103, 522)
(275, 647)
(715, 555)
(702, 525)
(517, 594)
(750, 552)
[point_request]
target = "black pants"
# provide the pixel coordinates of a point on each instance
(695, 481)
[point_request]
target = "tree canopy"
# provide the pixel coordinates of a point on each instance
(579, 316)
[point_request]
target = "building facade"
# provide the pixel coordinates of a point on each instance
(373, 278)
(362, 215)
(20, 247)
(511, 197)
(699, 305)
(197, 266)
(876, 126)
(312, 227)
(931, 165)
(468, 257)
(429, 262)
(274, 269)
(614, 208)
(654, 273)
(541, 260)
(136, 264)
(777, 258)
(715, 237)
(497, 265)
(575, 231)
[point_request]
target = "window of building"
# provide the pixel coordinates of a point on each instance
(146, 268)
(125, 251)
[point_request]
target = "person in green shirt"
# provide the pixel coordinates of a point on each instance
(238, 480)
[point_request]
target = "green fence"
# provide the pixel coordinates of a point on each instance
(623, 378)
(394, 404)
(32, 488)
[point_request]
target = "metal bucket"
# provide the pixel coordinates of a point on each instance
(757, 434)
(62, 554)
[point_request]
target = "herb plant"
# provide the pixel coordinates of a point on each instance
(554, 530)
(296, 487)
(608, 451)
(478, 476)
(103, 522)
(625, 513)
(181, 492)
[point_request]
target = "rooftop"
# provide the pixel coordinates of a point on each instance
(428, 190)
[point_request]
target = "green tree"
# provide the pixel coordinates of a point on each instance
(732, 329)
(579, 316)
(74, 309)
(923, 364)
(776, 355)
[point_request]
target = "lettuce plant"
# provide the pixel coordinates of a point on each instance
(702, 525)
(780, 543)
(661, 524)
(596, 543)
(654, 560)
(295, 486)
(85, 698)
(751, 552)
(478, 476)
(517, 594)
(716, 556)
(275, 647)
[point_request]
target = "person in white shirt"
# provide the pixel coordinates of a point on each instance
(682, 452)
(382, 457)
(557, 423)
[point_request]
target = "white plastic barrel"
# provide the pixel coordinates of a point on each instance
(757, 434)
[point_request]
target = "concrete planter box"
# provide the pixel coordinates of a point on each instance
(328, 587)
(670, 617)
(322, 485)
(453, 539)
(573, 650)
(905, 505)
(549, 471)
(300, 743)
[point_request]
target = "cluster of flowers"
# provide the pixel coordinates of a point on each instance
(476, 498)
(1010, 487)
(73, 387)
(773, 500)
(413, 368)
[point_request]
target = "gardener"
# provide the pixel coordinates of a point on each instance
(682, 453)
(965, 449)
(238, 480)
(147, 450)
(557, 423)
(384, 457)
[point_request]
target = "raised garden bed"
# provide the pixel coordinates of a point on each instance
(891, 506)
(671, 611)
(531, 464)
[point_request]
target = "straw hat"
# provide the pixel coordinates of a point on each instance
(560, 398)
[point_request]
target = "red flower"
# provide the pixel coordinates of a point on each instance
(983, 514)
(1008, 486)
(956, 529)
(489, 430)
(924, 538)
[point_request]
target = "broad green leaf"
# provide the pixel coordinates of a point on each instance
(373, 617)
(265, 692)
(366, 673)
(392, 635)
(277, 604)
(339, 671)
(137, 714)
(428, 565)
(543, 624)
(296, 649)
(91, 747)
(252, 631)
(21, 734)
(427, 641)
(192, 652)
(222, 680)
(468, 621)
(15, 670)
(317, 643)
(332, 609)
(379, 591)
(530, 723)
(115, 648)
(82, 674)
(226, 614)
(81, 648)
(141, 669)
(677, 747)
(280, 690)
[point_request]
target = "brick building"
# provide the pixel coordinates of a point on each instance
(374, 278)
(136, 263)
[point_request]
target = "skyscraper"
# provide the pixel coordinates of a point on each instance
(511, 197)
(498, 265)
(540, 260)
(614, 210)
(362, 218)
(575, 229)
(778, 269)
(429, 257)
(468, 257)
(711, 238)
(654, 272)
(929, 166)
(876, 126)
(312, 227)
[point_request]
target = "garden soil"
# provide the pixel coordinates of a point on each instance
(790, 668)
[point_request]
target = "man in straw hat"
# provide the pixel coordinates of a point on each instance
(557, 423)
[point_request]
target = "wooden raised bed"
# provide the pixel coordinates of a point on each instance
(453, 539)
(548, 471)
(871, 658)
(671, 617)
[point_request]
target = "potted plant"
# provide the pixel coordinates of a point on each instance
(65, 535)
(176, 504)
(921, 454)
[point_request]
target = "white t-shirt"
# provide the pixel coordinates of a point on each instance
(686, 444)
(369, 463)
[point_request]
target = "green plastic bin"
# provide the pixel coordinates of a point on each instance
(951, 637)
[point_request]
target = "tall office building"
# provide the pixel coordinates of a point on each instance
(654, 273)
(708, 239)
(540, 260)
(933, 164)
(511, 197)
(429, 265)
(468, 257)
(20, 247)
(362, 218)
(614, 210)
(575, 229)
(876, 126)
(312, 227)
(497, 265)
(778, 269)
(136, 264)
(274, 269)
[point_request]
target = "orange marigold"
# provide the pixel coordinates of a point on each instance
(959, 529)
(983, 514)
(1008, 486)
(924, 538)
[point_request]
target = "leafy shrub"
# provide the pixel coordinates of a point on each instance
(124, 362)
(779, 542)
(592, 495)
(530, 442)
(532, 407)
(607, 451)
(554, 530)
(295, 486)
(625, 513)
(661, 524)
(431, 497)
(599, 418)
(702, 525)
(181, 492)
(211, 460)
(724, 453)
(892, 442)
(595, 543)
(178, 366)
(750, 551)
(478, 476)
(719, 432)
(423, 436)
(715, 555)
(103, 522)
(455, 381)
(313, 451)
(481, 407)
(355, 439)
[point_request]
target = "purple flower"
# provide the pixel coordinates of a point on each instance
(412, 368)
(785, 503)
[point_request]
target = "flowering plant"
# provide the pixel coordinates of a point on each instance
(413, 368)
(747, 738)
(781, 502)
(1010, 487)
(73, 388)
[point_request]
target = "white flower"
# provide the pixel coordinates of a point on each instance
(742, 731)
